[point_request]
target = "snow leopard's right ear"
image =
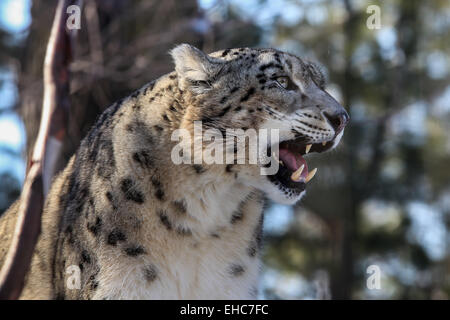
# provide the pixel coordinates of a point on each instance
(195, 69)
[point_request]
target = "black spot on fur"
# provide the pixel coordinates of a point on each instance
(90, 209)
(265, 66)
(225, 52)
(224, 111)
(180, 206)
(71, 239)
(158, 128)
(205, 119)
(198, 168)
(215, 235)
(150, 86)
(256, 241)
(130, 191)
(236, 216)
(234, 89)
(224, 99)
(143, 132)
(143, 158)
(60, 296)
(80, 198)
(109, 196)
(164, 220)
(183, 231)
(150, 273)
(159, 193)
(94, 285)
(135, 94)
(289, 64)
(277, 58)
(134, 251)
(228, 168)
(249, 93)
(155, 182)
(85, 257)
(115, 236)
(137, 106)
(251, 250)
(236, 270)
(95, 228)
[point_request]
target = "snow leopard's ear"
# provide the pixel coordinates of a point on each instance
(195, 69)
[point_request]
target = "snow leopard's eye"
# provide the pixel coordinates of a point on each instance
(286, 83)
(283, 82)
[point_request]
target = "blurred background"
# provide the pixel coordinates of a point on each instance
(381, 199)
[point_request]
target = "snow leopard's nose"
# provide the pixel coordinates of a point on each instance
(338, 120)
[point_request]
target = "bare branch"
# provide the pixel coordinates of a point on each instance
(52, 128)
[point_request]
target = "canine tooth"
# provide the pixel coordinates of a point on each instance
(311, 175)
(296, 175)
(308, 147)
(324, 143)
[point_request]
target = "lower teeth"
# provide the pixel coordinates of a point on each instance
(311, 175)
(297, 174)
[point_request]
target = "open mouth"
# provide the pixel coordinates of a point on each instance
(293, 172)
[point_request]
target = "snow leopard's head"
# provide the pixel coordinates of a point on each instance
(248, 89)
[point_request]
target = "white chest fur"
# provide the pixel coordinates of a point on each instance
(219, 260)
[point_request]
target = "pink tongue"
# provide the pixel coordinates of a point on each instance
(293, 161)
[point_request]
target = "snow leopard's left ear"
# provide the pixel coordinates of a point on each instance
(195, 69)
